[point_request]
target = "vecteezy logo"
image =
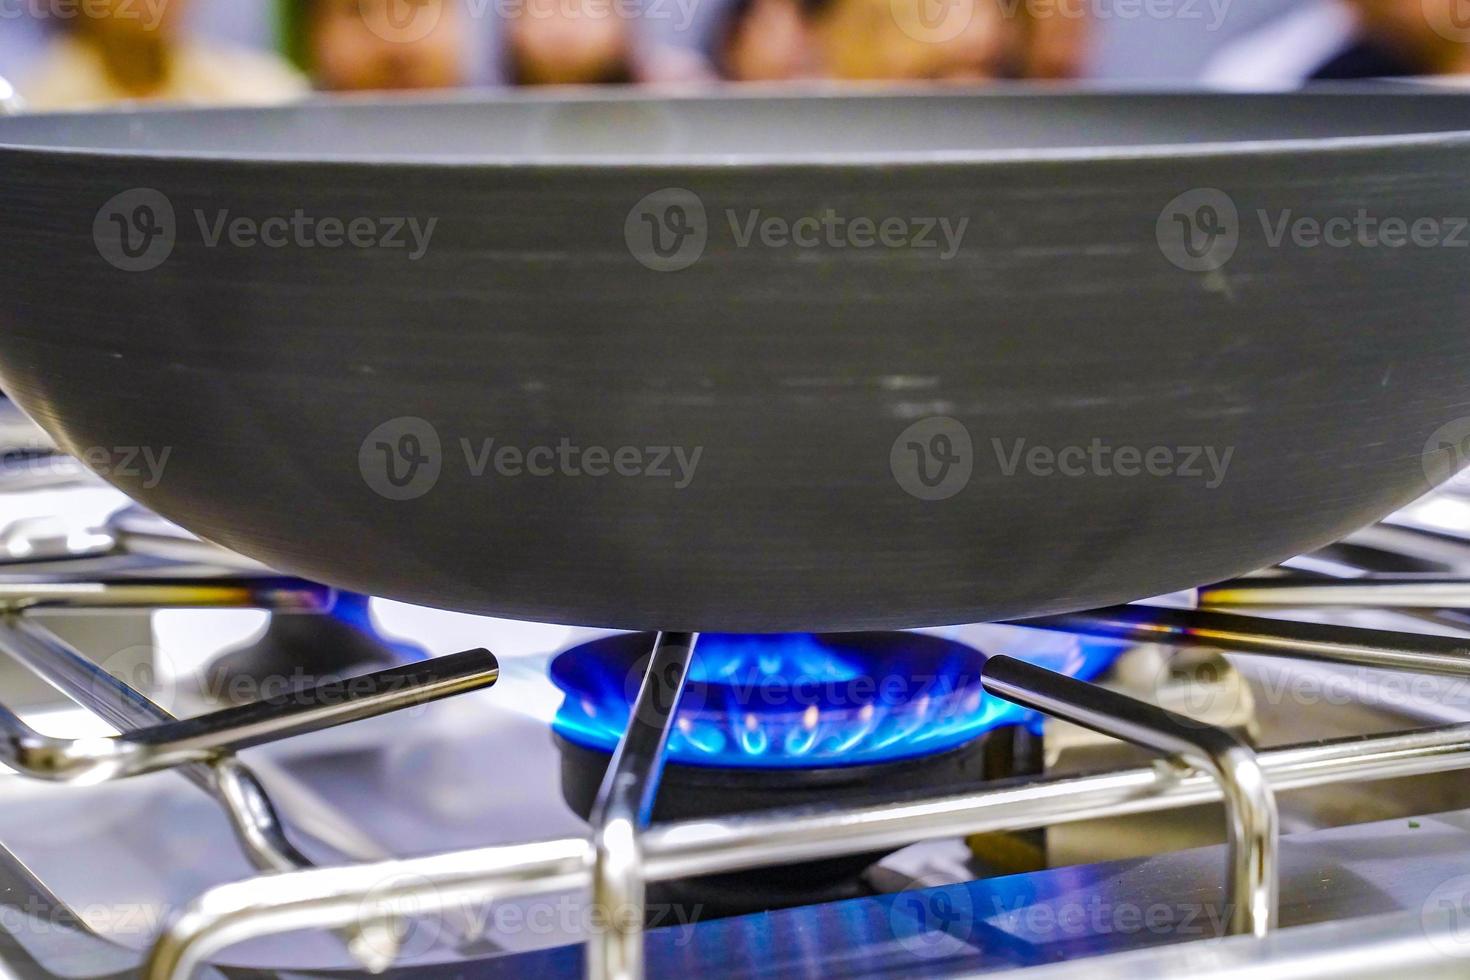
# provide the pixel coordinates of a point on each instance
(933, 459)
(932, 21)
(401, 21)
(665, 683)
(1199, 230)
(136, 231)
(1445, 916)
(396, 922)
(401, 459)
(1447, 451)
(667, 230)
(1450, 19)
(931, 921)
(1197, 689)
(145, 669)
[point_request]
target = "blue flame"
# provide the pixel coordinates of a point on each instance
(356, 612)
(807, 700)
(723, 658)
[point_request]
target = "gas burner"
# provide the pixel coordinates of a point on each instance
(704, 792)
(801, 701)
(769, 721)
(297, 651)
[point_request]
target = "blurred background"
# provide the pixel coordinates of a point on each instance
(64, 54)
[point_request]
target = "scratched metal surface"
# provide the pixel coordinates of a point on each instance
(794, 373)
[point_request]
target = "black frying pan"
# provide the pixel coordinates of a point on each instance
(872, 422)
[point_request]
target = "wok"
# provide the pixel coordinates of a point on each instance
(874, 436)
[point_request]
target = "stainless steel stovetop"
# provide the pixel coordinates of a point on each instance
(435, 838)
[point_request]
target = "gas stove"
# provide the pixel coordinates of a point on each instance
(370, 785)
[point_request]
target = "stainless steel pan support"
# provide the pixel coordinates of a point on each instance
(152, 737)
(252, 815)
(332, 898)
(199, 740)
(1385, 649)
(1250, 807)
(624, 807)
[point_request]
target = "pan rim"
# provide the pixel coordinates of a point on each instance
(706, 162)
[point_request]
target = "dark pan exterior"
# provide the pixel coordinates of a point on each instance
(262, 372)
